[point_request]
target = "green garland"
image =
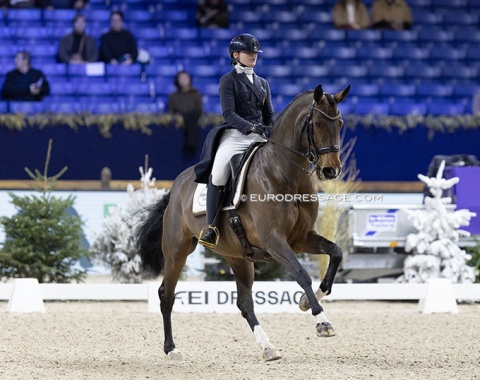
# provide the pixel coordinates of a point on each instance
(143, 122)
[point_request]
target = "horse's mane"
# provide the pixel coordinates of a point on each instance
(280, 115)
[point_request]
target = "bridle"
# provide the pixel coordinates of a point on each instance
(313, 153)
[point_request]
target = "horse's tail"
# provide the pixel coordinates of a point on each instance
(149, 237)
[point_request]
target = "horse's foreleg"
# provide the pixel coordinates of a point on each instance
(244, 276)
(281, 251)
(317, 244)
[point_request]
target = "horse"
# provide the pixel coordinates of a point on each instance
(304, 140)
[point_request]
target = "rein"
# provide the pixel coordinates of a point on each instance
(312, 155)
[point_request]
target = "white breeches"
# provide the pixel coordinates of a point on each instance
(231, 143)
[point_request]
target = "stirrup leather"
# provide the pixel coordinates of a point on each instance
(208, 244)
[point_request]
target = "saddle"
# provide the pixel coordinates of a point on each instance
(238, 163)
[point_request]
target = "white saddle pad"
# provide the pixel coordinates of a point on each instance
(199, 206)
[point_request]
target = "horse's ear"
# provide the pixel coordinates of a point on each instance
(317, 95)
(340, 96)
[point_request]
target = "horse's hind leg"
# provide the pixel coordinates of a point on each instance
(175, 254)
(244, 276)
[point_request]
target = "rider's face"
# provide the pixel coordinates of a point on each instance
(248, 59)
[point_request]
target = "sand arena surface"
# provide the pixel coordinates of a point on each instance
(121, 340)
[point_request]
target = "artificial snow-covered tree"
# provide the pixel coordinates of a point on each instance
(115, 245)
(43, 240)
(435, 250)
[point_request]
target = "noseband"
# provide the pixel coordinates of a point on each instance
(312, 155)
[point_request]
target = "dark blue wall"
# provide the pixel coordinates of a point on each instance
(381, 155)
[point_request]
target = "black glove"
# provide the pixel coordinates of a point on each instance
(257, 128)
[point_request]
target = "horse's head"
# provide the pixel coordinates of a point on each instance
(323, 133)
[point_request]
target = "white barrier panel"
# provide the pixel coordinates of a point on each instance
(26, 297)
(213, 296)
(439, 297)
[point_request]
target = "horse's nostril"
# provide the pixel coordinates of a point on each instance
(329, 172)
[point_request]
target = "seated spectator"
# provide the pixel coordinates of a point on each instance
(212, 13)
(78, 47)
(391, 14)
(24, 83)
(350, 14)
(187, 101)
(118, 45)
(62, 4)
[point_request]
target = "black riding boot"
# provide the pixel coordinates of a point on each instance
(209, 235)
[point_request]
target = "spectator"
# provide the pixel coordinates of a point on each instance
(78, 47)
(24, 83)
(391, 14)
(212, 13)
(350, 14)
(187, 101)
(118, 45)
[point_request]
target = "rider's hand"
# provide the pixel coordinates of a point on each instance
(257, 128)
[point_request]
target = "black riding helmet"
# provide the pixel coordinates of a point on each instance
(244, 42)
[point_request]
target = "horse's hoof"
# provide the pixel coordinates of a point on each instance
(175, 355)
(304, 305)
(270, 354)
(325, 330)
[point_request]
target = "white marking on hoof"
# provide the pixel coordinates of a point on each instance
(175, 355)
(322, 318)
(270, 354)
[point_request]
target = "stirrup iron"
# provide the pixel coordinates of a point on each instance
(208, 244)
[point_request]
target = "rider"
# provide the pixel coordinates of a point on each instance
(247, 109)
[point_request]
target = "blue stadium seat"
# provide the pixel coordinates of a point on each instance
(62, 88)
(142, 107)
(245, 16)
(447, 53)
(163, 71)
(450, 3)
(342, 69)
(376, 108)
(423, 17)
(204, 71)
(289, 90)
(367, 35)
(466, 91)
(132, 71)
(473, 54)
(400, 35)
(62, 106)
(422, 70)
(460, 71)
(99, 15)
(435, 35)
(321, 72)
(28, 108)
(281, 71)
(411, 53)
(328, 34)
(397, 90)
(407, 108)
(59, 17)
(467, 35)
(163, 86)
(366, 90)
(85, 88)
(24, 17)
(378, 53)
(340, 53)
(460, 17)
(385, 70)
(3, 106)
(315, 15)
(55, 70)
(435, 108)
(147, 33)
(136, 18)
(434, 90)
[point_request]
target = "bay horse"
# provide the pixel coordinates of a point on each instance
(304, 140)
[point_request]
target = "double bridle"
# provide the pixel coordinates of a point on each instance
(313, 153)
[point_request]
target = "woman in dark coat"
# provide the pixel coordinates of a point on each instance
(247, 109)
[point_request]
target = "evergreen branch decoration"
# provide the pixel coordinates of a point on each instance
(47, 183)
